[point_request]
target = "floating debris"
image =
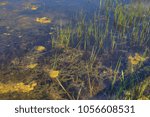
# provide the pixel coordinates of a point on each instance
(44, 20)
(17, 87)
(40, 48)
(54, 73)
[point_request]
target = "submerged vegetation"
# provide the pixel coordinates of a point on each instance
(43, 20)
(104, 56)
(53, 74)
(40, 48)
(16, 87)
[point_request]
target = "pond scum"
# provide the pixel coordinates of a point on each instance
(104, 57)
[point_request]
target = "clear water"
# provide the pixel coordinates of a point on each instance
(18, 30)
(20, 33)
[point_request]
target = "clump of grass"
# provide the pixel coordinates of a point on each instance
(85, 34)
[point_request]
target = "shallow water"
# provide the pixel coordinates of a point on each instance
(20, 33)
(18, 29)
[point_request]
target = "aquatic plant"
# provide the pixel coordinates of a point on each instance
(85, 34)
(40, 48)
(70, 97)
(63, 38)
(116, 71)
(53, 73)
(31, 66)
(17, 87)
(134, 61)
(43, 20)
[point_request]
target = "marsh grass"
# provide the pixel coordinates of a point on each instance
(130, 27)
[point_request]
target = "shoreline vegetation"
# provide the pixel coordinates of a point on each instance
(106, 56)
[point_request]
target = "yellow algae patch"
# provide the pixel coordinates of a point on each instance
(40, 48)
(31, 66)
(54, 73)
(17, 87)
(33, 7)
(3, 3)
(139, 57)
(44, 20)
(134, 60)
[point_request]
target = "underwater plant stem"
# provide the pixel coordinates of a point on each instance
(79, 93)
(63, 88)
(90, 87)
(116, 72)
(89, 83)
